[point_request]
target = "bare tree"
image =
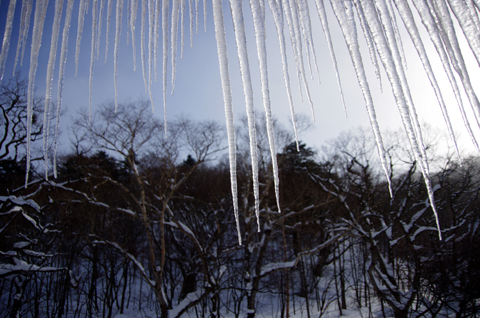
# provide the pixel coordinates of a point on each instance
(134, 135)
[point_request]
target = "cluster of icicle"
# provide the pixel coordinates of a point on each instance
(377, 20)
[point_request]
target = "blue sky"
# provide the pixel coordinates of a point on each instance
(198, 89)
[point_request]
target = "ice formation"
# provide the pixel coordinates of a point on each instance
(379, 20)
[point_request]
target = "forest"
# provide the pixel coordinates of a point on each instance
(133, 221)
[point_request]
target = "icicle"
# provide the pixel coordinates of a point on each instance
(133, 19)
(473, 14)
(307, 32)
(456, 58)
(151, 42)
(227, 98)
(370, 43)
(299, 50)
(326, 30)
(292, 5)
(182, 26)
(239, 27)
(262, 61)
(92, 57)
(156, 33)
(175, 16)
(39, 20)
(23, 32)
(49, 80)
(196, 16)
(142, 44)
(99, 28)
(118, 30)
(470, 30)
(347, 24)
(81, 18)
(391, 70)
(430, 25)
(129, 18)
(61, 76)
(477, 4)
(389, 32)
(151, 46)
(190, 21)
(293, 40)
(109, 17)
(299, 12)
(6, 37)
(409, 22)
(397, 38)
(205, 15)
(275, 8)
(165, 59)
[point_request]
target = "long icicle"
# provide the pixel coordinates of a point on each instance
(118, 30)
(175, 18)
(298, 41)
(107, 31)
(6, 37)
(152, 41)
(81, 18)
(165, 59)
(38, 23)
(61, 76)
(453, 48)
(347, 24)
(470, 30)
(23, 32)
(326, 30)
(92, 56)
(240, 37)
(370, 43)
(288, 15)
(389, 30)
(190, 21)
(409, 22)
(49, 80)
(262, 60)
(398, 41)
(205, 15)
(390, 68)
(182, 27)
(196, 16)
(133, 19)
(429, 23)
(99, 26)
(275, 8)
(156, 30)
(227, 99)
(474, 14)
(307, 30)
(142, 44)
